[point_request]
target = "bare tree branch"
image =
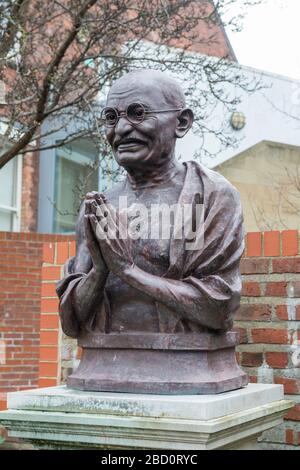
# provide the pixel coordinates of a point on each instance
(57, 61)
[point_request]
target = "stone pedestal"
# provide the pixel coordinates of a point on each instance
(195, 363)
(59, 417)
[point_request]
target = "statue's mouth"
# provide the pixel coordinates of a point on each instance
(129, 144)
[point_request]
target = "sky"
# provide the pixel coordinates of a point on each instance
(270, 38)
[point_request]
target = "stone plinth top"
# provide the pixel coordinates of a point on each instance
(196, 407)
(62, 418)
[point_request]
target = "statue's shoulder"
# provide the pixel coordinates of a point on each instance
(213, 181)
(221, 183)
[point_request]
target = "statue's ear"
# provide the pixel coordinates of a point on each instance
(184, 122)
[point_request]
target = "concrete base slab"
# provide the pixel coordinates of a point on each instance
(59, 417)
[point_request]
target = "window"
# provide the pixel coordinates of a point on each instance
(10, 195)
(76, 173)
(66, 174)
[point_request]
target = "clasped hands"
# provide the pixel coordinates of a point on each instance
(103, 226)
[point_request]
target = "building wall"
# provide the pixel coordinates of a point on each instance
(21, 257)
(268, 179)
(38, 354)
(208, 37)
(271, 112)
(268, 322)
(30, 184)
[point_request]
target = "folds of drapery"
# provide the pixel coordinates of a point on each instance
(213, 268)
(65, 289)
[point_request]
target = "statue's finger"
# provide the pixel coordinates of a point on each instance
(100, 197)
(111, 212)
(88, 230)
(92, 241)
(105, 212)
(89, 207)
(100, 210)
(93, 220)
(86, 224)
(122, 224)
(91, 195)
(99, 227)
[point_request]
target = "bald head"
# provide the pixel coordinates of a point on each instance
(150, 141)
(151, 81)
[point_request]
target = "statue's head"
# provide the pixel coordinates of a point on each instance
(145, 113)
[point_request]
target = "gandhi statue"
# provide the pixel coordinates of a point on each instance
(151, 315)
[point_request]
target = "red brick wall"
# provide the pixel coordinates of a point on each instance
(52, 340)
(269, 322)
(20, 299)
(209, 37)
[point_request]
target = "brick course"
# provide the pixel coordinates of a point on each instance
(268, 321)
(21, 258)
(51, 348)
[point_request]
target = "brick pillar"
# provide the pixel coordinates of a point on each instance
(54, 256)
(269, 322)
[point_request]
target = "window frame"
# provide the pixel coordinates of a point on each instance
(15, 210)
(85, 159)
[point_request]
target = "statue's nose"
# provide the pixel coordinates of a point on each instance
(123, 126)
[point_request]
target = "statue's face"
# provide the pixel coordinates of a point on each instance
(150, 141)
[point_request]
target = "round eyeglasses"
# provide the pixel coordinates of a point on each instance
(134, 113)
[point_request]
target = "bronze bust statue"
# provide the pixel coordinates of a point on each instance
(151, 315)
